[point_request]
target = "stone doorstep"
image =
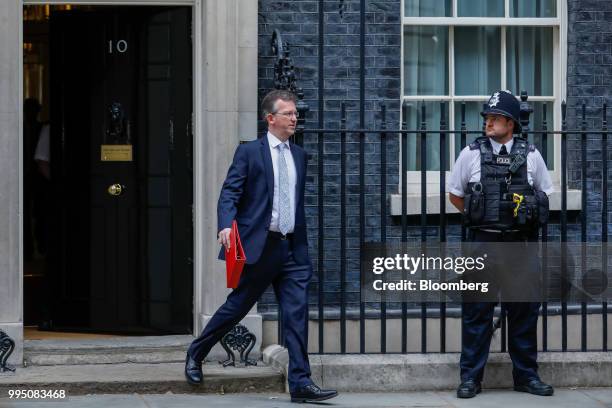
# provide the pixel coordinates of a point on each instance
(103, 356)
(142, 378)
(115, 350)
(429, 372)
(154, 349)
(119, 342)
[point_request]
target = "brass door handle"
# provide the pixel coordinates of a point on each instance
(116, 189)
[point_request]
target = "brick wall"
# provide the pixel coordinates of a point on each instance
(298, 22)
(589, 81)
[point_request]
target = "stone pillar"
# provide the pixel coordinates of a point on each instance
(11, 287)
(228, 112)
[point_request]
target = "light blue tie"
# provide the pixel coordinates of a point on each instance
(284, 203)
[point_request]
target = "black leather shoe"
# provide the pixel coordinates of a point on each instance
(193, 371)
(535, 387)
(468, 389)
(312, 393)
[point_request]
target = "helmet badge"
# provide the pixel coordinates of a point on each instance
(494, 100)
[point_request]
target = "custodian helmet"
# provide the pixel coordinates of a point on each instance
(505, 104)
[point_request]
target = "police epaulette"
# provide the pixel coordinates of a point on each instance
(521, 145)
(476, 143)
(520, 139)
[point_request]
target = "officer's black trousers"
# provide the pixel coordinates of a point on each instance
(522, 341)
(476, 334)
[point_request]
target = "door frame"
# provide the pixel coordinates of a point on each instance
(196, 43)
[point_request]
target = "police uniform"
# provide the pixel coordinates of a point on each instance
(495, 179)
(467, 169)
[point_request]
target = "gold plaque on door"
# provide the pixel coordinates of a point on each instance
(120, 153)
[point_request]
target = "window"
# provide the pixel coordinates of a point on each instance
(457, 51)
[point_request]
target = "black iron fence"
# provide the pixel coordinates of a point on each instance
(315, 139)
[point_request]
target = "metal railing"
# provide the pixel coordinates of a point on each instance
(385, 136)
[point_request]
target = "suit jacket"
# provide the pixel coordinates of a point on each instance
(247, 195)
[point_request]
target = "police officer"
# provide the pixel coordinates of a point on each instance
(501, 185)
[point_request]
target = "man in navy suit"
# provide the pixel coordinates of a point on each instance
(264, 193)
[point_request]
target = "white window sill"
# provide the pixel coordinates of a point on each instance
(433, 202)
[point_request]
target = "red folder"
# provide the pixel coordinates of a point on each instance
(234, 258)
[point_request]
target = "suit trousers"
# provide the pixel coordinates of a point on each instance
(276, 266)
(476, 334)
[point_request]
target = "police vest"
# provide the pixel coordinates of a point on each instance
(503, 200)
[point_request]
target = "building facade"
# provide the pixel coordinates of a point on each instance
(405, 54)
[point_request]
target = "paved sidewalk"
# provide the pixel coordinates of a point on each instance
(570, 398)
(159, 378)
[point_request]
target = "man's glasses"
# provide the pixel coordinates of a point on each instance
(287, 114)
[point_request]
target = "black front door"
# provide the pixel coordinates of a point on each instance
(121, 160)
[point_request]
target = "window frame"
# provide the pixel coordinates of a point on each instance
(559, 26)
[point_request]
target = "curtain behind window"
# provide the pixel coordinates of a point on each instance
(477, 60)
(480, 8)
(426, 60)
(529, 58)
(427, 8)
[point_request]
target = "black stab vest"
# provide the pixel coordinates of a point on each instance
(500, 177)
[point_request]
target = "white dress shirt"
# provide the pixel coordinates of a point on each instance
(273, 142)
(467, 170)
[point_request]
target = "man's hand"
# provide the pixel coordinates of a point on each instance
(457, 201)
(224, 238)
